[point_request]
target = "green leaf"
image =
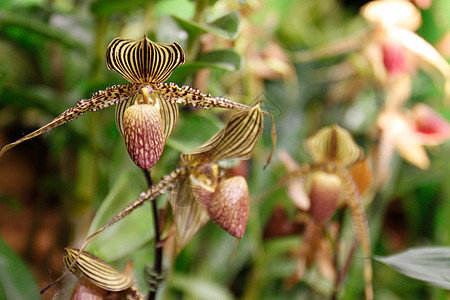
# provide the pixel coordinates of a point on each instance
(40, 28)
(227, 26)
(128, 234)
(199, 288)
(20, 3)
(16, 281)
(225, 60)
(106, 8)
(430, 264)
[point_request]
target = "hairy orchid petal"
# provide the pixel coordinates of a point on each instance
(229, 206)
(236, 140)
(143, 61)
(334, 143)
(188, 96)
(96, 271)
(99, 100)
(143, 134)
(324, 193)
(361, 224)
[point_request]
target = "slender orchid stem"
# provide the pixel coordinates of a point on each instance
(157, 265)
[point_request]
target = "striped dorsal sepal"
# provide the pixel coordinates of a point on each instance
(235, 141)
(96, 271)
(334, 144)
(143, 61)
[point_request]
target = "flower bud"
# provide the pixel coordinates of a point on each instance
(230, 205)
(144, 134)
(324, 194)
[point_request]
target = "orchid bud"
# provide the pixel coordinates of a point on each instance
(230, 205)
(144, 134)
(324, 194)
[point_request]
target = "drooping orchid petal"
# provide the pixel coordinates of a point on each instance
(99, 100)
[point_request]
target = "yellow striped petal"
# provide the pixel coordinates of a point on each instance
(335, 144)
(236, 140)
(169, 113)
(97, 271)
(143, 61)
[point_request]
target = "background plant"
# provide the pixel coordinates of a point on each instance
(52, 54)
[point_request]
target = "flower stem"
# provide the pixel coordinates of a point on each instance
(157, 265)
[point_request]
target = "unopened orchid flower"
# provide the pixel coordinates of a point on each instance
(146, 111)
(329, 183)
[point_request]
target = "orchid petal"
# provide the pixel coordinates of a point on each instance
(188, 96)
(99, 100)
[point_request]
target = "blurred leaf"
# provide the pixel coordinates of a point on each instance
(128, 234)
(168, 31)
(16, 281)
(226, 60)
(200, 288)
(8, 4)
(430, 264)
(180, 8)
(108, 7)
(226, 26)
(41, 28)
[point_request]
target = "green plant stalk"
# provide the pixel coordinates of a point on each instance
(157, 265)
